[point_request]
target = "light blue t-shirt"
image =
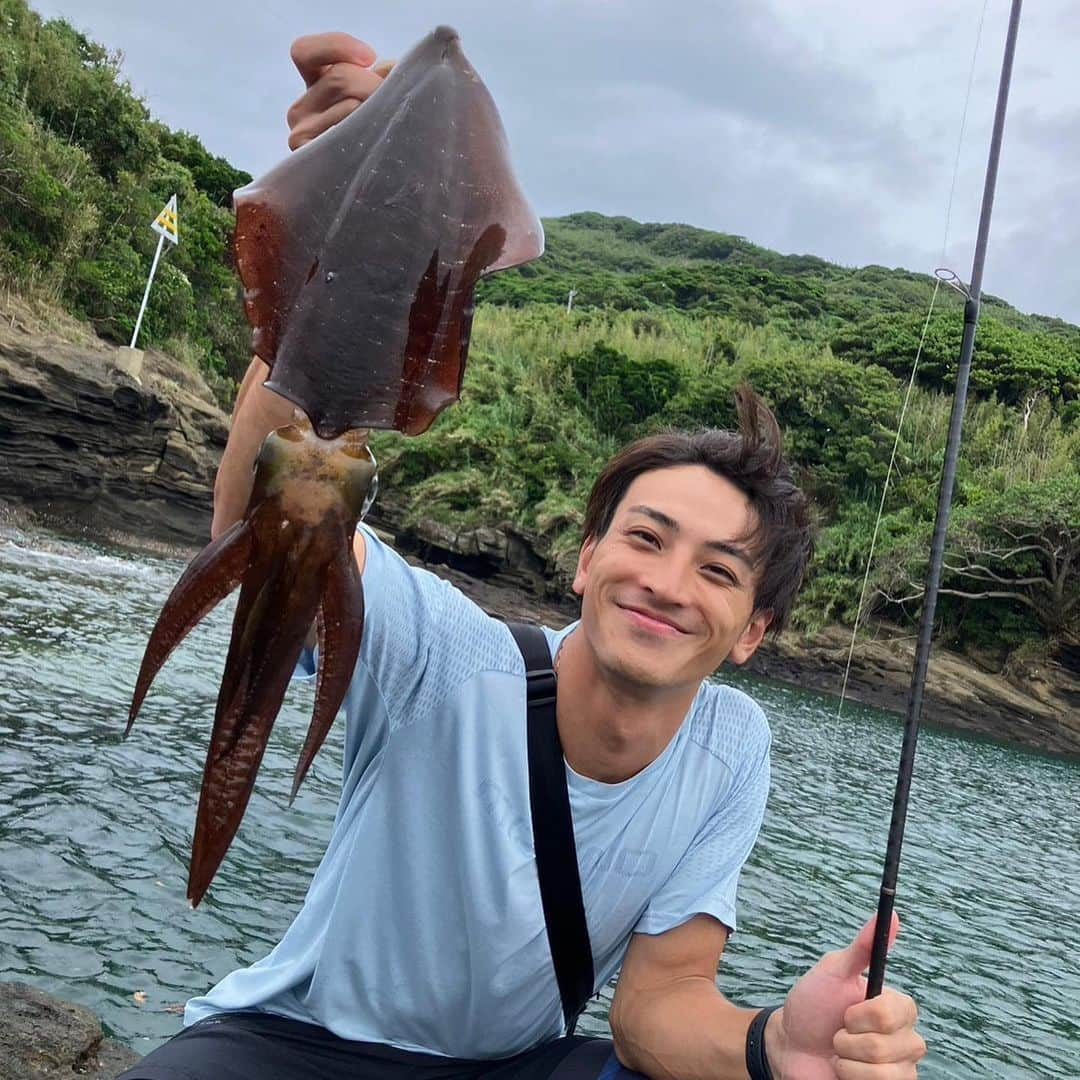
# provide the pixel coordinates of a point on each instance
(423, 926)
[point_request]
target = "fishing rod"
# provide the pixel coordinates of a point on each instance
(972, 307)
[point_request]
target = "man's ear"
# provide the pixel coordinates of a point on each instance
(751, 637)
(583, 560)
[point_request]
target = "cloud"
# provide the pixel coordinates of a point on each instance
(1032, 261)
(829, 129)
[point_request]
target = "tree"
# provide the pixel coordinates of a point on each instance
(619, 391)
(1008, 362)
(1023, 545)
(1019, 546)
(213, 176)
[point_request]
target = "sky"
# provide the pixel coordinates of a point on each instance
(831, 128)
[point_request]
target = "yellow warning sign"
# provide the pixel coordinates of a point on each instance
(165, 223)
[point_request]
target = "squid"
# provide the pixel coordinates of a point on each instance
(359, 256)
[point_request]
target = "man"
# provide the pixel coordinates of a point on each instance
(421, 947)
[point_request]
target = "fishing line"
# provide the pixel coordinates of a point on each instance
(915, 365)
(881, 504)
(942, 275)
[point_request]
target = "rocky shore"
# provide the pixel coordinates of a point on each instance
(1038, 708)
(43, 1036)
(86, 446)
(85, 443)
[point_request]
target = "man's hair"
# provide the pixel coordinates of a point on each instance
(781, 541)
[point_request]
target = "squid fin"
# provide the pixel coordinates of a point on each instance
(360, 252)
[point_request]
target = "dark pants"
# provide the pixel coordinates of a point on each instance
(261, 1046)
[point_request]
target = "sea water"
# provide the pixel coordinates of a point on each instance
(95, 833)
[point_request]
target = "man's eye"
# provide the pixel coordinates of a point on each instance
(722, 572)
(641, 534)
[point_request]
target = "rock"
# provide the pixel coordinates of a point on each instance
(43, 1036)
(501, 557)
(507, 603)
(1033, 710)
(83, 443)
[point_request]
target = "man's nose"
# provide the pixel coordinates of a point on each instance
(668, 580)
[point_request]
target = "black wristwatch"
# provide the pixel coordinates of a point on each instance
(757, 1064)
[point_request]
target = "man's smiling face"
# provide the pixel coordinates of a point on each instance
(668, 590)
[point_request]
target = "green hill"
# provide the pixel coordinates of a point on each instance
(868, 314)
(666, 319)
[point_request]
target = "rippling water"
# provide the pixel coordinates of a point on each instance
(95, 831)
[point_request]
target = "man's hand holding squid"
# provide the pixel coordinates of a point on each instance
(340, 72)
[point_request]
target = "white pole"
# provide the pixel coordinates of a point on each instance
(146, 295)
(570, 300)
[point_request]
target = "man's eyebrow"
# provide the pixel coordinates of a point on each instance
(659, 517)
(725, 547)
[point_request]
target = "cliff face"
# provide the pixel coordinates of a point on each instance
(82, 441)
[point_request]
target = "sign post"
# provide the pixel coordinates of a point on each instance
(165, 226)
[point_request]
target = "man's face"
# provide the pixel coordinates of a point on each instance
(668, 591)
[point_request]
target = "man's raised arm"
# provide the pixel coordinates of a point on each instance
(257, 412)
(339, 72)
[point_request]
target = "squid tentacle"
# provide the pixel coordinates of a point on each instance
(209, 578)
(270, 626)
(242, 729)
(251, 610)
(340, 628)
(293, 586)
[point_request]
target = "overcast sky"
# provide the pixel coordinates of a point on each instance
(829, 127)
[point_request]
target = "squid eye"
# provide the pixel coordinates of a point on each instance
(291, 433)
(361, 484)
(354, 444)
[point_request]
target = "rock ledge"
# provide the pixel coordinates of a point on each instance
(84, 443)
(43, 1036)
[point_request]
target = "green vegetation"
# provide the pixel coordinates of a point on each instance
(666, 320)
(549, 396)
(83, 172)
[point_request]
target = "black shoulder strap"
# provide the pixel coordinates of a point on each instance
(553, 830)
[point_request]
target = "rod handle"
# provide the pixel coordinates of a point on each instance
(879, 950)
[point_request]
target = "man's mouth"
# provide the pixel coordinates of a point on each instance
(651, 620)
